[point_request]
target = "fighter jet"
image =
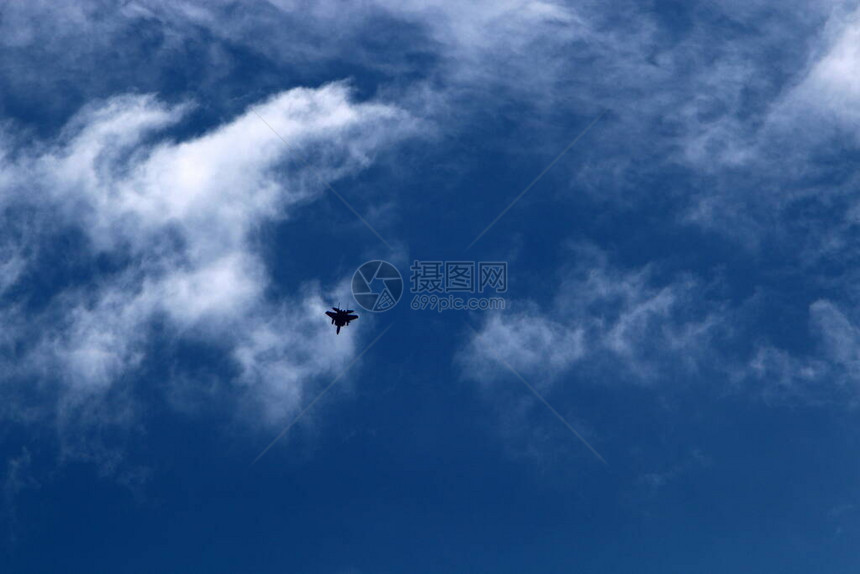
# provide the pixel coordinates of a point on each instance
(341, 317)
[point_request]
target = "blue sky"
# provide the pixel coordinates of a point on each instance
(682, 286)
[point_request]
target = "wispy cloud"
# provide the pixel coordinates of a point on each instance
(657, 480)
(17, 477)
(176, 216)
(620, 319)
(825, 374)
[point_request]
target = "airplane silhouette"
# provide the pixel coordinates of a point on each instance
(341, 317)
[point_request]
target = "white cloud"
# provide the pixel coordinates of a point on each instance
(832, 84)
(181, 212)
(839, 336)
(529, 343)
(825, 373)
(629, 326)
(619, 319)
(772, 172)
(711, 97)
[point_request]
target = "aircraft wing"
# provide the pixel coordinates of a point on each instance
(330, 314)
(351, 317)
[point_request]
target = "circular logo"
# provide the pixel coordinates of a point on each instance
(377, 286)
